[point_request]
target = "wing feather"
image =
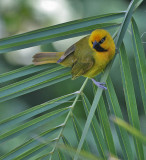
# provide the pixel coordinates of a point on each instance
(69, 51)
(80, 69)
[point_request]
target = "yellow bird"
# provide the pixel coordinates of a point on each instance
(88, 57)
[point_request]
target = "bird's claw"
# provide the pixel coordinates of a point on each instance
(99, 84)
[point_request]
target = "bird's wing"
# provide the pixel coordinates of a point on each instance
(78, 49)
(70, 50)
(80, 68)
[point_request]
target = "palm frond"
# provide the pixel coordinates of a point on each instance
(58, 32)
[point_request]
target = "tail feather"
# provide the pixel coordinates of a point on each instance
(46, 57)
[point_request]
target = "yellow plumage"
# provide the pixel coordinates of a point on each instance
(87, 57)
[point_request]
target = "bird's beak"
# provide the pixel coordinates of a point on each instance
(95, 44)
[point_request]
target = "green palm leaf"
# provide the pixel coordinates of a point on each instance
(130, 97)
(35, 82)
(30, 143)
(130, 129)
(34, 111)
(96, 129)
(116, 110)
(140, 60)
(58, 32)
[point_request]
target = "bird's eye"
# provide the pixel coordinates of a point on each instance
(102, 40)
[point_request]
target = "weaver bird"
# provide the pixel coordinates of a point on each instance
(88, 57)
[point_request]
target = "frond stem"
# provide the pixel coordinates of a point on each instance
(68, 115)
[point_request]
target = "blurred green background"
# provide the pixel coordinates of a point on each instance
(21, 16)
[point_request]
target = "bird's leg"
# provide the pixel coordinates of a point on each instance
(99, 84)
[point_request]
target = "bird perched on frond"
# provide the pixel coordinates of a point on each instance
(88, 57)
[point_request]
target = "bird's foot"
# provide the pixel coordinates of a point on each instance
(99, 84)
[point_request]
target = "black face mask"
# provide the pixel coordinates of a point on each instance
(96, 45)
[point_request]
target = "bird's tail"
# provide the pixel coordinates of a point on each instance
(46, 57)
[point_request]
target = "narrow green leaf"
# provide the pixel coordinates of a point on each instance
(31, 112)
(23, 71)
(78, 131)
(67, 143)
(104, 77)
(133, 131)
(140, 60)
(96, 129)
(60, 155)
(52, 38)
(130, 97)
(116, 110)
(89, 120)
(5, 89)
(138, 3)
(36, 150)
(30, 144)
(57, 32)
(44, 157)
(106, 126)
(126, 20)
(83, 155)
(33, 83)
(28, 126)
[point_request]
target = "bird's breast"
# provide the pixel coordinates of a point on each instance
(100, 62)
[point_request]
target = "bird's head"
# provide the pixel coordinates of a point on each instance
(101, 41)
